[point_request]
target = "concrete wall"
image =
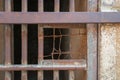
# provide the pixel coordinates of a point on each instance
(109, 44)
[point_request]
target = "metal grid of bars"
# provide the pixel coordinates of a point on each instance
(24, 18)
(60, 35)
(55, 65)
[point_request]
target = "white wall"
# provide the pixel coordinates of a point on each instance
(109, 44)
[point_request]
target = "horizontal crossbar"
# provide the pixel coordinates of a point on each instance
(58, 17)
(48, 65)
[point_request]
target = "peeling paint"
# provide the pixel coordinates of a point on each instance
(107, 53)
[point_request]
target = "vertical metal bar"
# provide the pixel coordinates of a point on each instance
(40, 40)
(71, 75)
(24, 50)
(12, 48)
(57, 5)
(56, 75)
(56, 9)
(40, 5)
(24, 42)
(71, 9)
(7, 50)
(2, 39)
(72, 6)
(7, 5)
(8, 41)
(56, 72)
(92, 43)
(12, 42)
(24, 5)
(40, 50)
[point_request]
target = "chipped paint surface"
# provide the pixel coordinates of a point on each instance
(109, 54)
(79, 48)
(1, 42)
(118, 53)
(110, 5)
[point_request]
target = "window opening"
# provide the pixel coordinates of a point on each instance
(57, 41)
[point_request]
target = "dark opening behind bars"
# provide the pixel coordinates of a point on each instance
(52, 49)
(57, 36)
(70, 17)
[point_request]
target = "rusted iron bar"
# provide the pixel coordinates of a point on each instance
(62, 26)
(24, 50)
(92, 38)
(63, 17)
(40, 40)
(56, 9)
(57, 6)
(72, 6)
(8, 41)
(57, 36)
(40, 5)
(71, 9)
(48, 65)
(24, 42)
(71, 75)
(7, 37)
(24, 5)
(56, 73)
(7, 50)
(40, 50)
(8, 6)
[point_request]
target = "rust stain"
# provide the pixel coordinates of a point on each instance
(118, 52)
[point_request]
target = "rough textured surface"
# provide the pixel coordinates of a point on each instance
(1, 50)
(110, 52)
(107, 52)
(79, 43)
(80, 5)
(1, 42)
(92, 6)
(109, 56)
(79, 48)
(118, 53)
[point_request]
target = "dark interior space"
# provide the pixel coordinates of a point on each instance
(33, 41)
(48, 5)
(17, 49)
(16, 5)
(61, 44)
